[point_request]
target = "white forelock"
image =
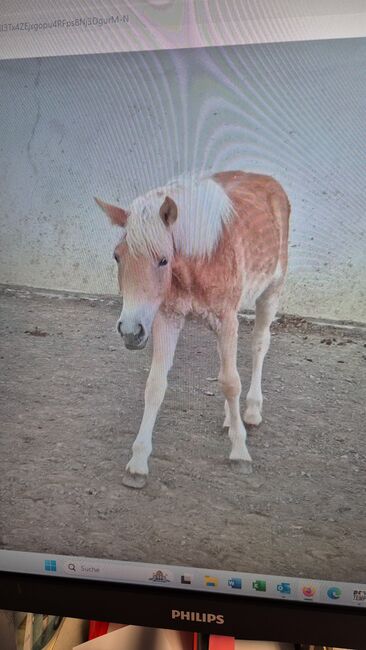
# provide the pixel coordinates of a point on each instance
(203, 209)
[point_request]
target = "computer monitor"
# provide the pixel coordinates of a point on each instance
(183, 315)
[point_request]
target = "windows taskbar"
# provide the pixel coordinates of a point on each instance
(224, 582)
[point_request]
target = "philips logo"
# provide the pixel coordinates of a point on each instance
(197, 617)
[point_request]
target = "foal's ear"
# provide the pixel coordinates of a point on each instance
(117, 216)
(168, 211)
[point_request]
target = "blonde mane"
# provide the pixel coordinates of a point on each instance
(203, 209)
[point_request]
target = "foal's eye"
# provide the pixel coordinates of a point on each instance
(163, 261)
(116, 257)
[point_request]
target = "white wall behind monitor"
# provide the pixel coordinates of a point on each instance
(112, 125)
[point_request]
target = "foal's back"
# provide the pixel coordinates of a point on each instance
(262, 219)
(258, 232)
(251, 254)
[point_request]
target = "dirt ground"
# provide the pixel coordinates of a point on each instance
(71, 403)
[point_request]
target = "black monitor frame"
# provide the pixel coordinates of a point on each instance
(245, 618)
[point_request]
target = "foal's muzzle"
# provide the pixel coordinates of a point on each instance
(133, 340)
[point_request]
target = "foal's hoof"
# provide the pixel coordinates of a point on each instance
(252, 417)
(241, 466)
(136, 481)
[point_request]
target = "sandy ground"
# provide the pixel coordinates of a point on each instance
(71, 402)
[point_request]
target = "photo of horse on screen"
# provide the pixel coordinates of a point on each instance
(183, 307)
(205, 249)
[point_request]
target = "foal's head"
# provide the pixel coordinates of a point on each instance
(144, 257)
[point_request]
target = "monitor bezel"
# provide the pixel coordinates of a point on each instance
(244, 617)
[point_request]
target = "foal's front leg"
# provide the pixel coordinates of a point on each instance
(165, 337)
(231, 385)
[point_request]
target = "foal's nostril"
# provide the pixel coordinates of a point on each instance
(119, 328)
(141, 332)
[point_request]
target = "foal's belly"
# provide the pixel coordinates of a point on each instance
(255, 284)
(252, 291)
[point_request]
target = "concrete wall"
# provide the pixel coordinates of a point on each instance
(116, 125)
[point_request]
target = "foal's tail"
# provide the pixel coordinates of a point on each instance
(280, 208)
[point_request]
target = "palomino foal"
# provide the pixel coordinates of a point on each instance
(201, 245)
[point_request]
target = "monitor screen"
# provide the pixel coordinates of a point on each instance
(183, 298)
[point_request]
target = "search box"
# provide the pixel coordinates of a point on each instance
(110, 571)
(81, 568)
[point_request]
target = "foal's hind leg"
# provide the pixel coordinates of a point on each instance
(265, 311)
(231, 385)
